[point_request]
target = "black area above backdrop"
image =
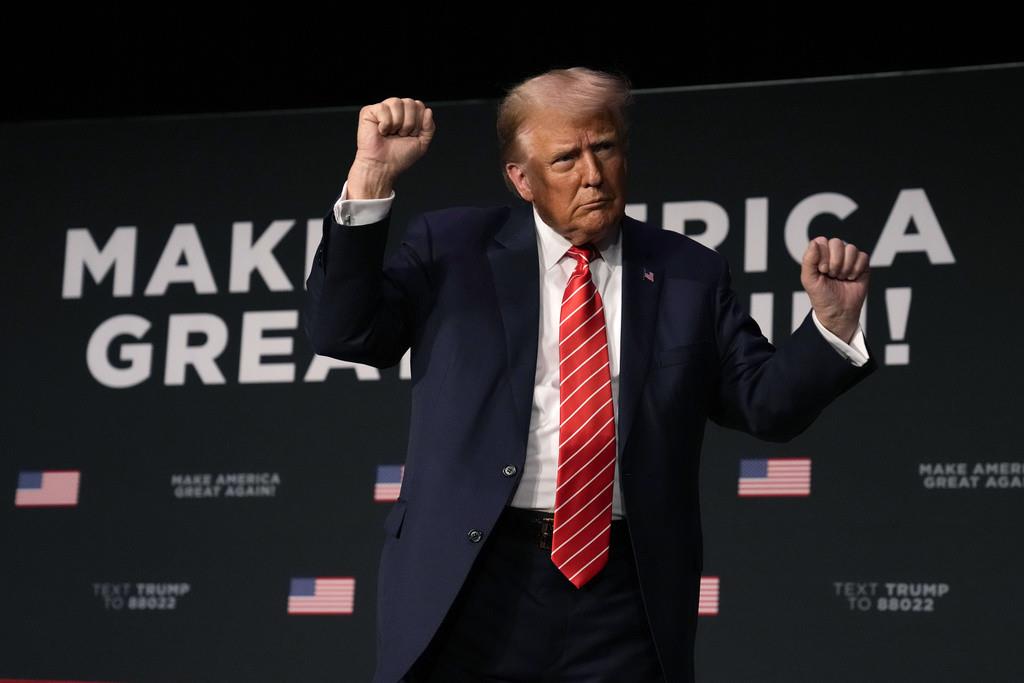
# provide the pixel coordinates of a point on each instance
(95, 62)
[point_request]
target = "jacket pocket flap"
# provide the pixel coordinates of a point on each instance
(684, 353)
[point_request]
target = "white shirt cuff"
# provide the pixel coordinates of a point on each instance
(856, 351)
(360, 211)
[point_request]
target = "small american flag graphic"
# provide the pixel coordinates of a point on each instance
(48, 487)
(389, 483)
(322, 595)
(775, 477)
(648, 275)
(707, 603)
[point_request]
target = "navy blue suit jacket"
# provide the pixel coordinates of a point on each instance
(462, 291)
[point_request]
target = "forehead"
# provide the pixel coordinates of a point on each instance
(554, 128)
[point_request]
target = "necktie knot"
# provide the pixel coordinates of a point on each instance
(583, 254)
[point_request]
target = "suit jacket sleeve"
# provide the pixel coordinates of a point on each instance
(358, 308)
(774, 393)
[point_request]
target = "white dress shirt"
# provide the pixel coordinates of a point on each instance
(536, 488)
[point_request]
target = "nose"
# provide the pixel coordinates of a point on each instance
(592, 175)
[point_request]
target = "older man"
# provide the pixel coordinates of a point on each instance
(565, 359)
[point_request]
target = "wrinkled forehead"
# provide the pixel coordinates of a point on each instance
(557, 127)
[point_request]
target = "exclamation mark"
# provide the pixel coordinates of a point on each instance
(897, 304)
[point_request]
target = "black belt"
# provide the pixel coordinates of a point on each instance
(535, 526)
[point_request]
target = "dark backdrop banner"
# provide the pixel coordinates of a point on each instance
(188, 494)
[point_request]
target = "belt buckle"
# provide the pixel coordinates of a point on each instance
(547, 527)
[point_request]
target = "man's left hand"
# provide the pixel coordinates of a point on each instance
(835, 276)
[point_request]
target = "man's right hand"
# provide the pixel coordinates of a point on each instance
(392, 136)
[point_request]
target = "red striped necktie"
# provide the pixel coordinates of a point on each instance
(586, 451)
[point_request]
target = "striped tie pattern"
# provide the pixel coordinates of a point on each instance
(586, 451)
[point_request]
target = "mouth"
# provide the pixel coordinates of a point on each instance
(598, 202)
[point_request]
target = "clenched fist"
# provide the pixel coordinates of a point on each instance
(835, 276)
(392, 136)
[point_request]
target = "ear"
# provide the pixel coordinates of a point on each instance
(519, 180)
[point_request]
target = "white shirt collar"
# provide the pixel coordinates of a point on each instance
(553, 246)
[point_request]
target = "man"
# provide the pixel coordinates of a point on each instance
(565, 359)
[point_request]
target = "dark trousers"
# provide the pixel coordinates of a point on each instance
(517, 618)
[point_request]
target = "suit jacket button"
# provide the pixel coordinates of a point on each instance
(509, 470)
(475, 535)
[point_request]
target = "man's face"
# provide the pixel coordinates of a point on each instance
(574, 173)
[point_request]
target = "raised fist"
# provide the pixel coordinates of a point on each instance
(835, 276)
(392, 136)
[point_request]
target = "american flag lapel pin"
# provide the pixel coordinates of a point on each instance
(648, 275)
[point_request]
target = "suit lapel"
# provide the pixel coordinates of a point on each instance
(513, 257)
(642, 278)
